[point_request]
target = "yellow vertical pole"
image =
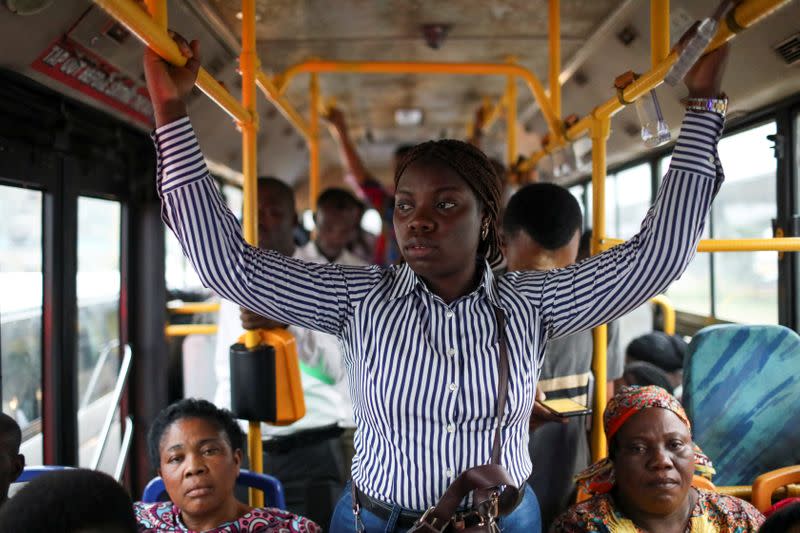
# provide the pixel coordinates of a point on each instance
(248, 63)
(600, 132)
(158, 11)
(554, 23)
(313, 144)
(511, 118)
(659, 31)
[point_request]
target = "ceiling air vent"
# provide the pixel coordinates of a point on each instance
(789, 50)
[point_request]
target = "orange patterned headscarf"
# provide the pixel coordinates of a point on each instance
(599, 477)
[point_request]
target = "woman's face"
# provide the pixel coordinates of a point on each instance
(198, 466)
(654, 461)
(437, 220)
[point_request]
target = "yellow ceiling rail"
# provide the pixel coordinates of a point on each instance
(659, 31)
(313, 143)
(511, 120)
(746, 14)
(139, 23)
(181, 330)
(194, 308)
(784, 244)
(554, 34)
(282, 104)
(416, 67)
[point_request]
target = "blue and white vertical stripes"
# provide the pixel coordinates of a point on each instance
(423, 374)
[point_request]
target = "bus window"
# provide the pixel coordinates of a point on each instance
(577, 192)
(98, 289)
(21, 312)
(746, 284)
(633, 197)
(692, 292)
(179, 273)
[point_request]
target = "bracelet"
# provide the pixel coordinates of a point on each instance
(717, 105)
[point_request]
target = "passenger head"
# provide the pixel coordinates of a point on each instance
(665, 351)
(447, 203)
(541, 228)
(642, 374)
(71, 501)
(11, 461)
(277, 216)
(785, 519)
(197, 449)
(400, 153)
(337, 220)
(652, 458)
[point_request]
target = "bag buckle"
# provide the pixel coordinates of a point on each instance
(424, 521)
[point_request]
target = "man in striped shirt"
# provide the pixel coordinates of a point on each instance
(420, 341)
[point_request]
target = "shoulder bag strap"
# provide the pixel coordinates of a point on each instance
(502, 384)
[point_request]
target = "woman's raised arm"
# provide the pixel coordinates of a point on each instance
(314, 296)
(618, 280)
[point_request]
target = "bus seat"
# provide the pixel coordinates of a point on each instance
(32, 472)
(740, 387)
(270, 486)
(766, 484)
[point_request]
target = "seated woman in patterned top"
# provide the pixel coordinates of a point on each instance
(645, 484)
(197, 449)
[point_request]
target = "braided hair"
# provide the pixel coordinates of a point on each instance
(476, 170)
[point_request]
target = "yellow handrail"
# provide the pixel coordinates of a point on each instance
(417, 67)
(747, 13)
(659, 31)
(181, 330)
(554, 36)
(669, 312)
(193, 308)
(784, 244)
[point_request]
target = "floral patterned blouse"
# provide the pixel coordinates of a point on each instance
(713, 512)
(165, 516)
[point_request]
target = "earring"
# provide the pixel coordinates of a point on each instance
(485, 230)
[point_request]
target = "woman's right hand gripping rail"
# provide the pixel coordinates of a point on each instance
(318, 297)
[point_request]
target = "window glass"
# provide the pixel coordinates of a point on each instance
(663, 166)
(577, 192)
(21, 312)
(746, 284)
(632, 199)
(234, 198)
(178, 271)
(98, 290)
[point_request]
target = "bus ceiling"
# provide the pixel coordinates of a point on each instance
(75, 48)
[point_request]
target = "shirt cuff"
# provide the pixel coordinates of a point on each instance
(180, 161)
(696, 149)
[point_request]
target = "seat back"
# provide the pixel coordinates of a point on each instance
(766, 484)
(32, 472)
(740, 388)
(270, 486)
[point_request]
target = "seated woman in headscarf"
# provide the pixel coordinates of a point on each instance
(645, 485)
(196, 448)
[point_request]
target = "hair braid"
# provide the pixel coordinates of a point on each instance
(476, 170)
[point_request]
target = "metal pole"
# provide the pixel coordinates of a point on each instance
(600, 133)
(555, 56)
(511, 120)
(659, 31)
(248, 66)
(313, 144)
(122, 380)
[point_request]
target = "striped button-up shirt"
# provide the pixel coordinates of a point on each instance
(423, 373)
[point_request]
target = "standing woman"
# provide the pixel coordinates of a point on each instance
(420, 341)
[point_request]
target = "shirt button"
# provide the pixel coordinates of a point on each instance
(711, 159)
(450, 428)
(451, 351)
(449, 473)
(453, 386)
(449, 314)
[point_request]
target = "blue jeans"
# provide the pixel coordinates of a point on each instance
(526, 518)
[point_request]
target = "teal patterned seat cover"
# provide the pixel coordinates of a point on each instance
(741, 390)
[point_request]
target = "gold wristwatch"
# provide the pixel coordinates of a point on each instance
(717, 105)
